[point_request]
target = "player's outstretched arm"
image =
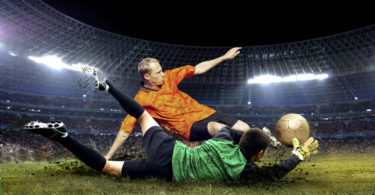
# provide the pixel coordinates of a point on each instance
(205, 66)
(256, 173)
(300, 153)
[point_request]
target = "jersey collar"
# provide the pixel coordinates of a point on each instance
(146, 89)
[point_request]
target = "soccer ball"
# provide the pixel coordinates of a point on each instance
(292, 126)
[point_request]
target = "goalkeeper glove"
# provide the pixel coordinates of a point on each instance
(303, 151)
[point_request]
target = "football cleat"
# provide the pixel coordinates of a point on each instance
(48, 130)
(273, 140)
(100, 79)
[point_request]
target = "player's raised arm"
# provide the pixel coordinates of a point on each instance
(205, 66)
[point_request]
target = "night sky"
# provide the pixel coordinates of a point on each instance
(218, 24)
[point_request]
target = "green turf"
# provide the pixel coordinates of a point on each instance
(323, 174)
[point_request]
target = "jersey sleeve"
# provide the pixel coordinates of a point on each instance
(229, 134)
(181, 73)
(269, 173)
(128, 124)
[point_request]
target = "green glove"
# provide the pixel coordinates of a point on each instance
(303, 151)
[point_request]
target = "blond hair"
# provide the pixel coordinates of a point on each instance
(144, 66)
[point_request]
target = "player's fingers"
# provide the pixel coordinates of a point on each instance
(314, 145)
(314, 152)
(309, 141)
(313, 148)
(295, 142)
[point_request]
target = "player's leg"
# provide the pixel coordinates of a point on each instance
(127, 103)
(158, 145)
(208, 127)
(213, 127)
(113, 168)
(241, 126)
(159, 148)
(58, 132)
(143, 168)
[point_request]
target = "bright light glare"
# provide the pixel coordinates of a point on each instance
(12, 54)
(51, 61)
(266, 79)
(56, 63)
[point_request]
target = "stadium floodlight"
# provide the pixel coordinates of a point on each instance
(266, 79)
(305, 77)
(51, 61)
(56, 63)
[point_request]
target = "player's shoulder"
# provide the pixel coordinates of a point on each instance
(178, 68)
(140, 96)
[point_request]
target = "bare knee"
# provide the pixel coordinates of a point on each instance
(214, 127)
(146, 122)
(113, 168)
(241, 126)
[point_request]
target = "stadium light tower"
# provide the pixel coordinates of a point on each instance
(266, 79)
(56, 63)
(51, 61)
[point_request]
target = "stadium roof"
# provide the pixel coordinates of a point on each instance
(228, 24)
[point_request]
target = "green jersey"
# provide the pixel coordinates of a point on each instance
(216, 159)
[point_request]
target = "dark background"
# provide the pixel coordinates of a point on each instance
(228, 23)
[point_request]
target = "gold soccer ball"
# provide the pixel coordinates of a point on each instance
(292, 126)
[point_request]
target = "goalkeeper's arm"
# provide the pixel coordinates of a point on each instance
(254, 172)
(300, 153)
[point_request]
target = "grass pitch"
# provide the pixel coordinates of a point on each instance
(323, 174)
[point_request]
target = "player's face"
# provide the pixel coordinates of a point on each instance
(156, 74)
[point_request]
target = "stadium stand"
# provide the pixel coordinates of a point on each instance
(340, 109)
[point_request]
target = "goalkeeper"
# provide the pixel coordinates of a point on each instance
(227, 156)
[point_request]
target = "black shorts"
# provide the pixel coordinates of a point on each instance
(159, 148)
(199, 129)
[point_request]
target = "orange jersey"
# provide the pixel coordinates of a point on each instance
(171, 108)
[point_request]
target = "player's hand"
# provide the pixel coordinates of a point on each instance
(303, 151)
(232, 53)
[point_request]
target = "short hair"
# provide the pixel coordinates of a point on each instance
(144, 66)
(252, 141)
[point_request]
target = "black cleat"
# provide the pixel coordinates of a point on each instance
(48, 130)
(100, 79)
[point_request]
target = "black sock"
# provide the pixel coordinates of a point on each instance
(87, 155)
(129, 104)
